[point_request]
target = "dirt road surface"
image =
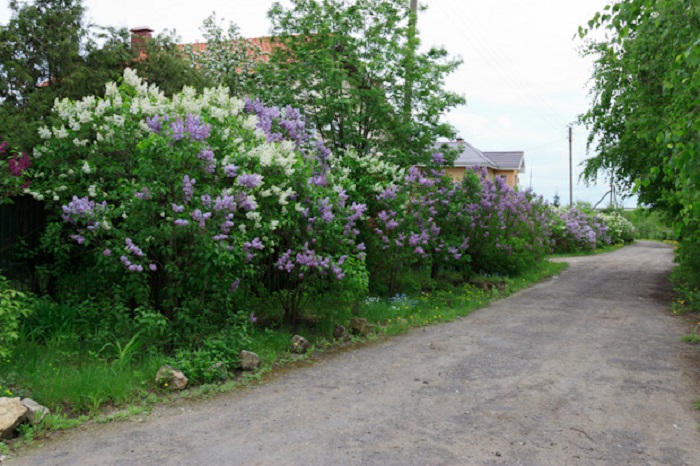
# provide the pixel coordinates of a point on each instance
(584, 369)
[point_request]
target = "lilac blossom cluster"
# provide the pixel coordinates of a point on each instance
(277, 124)
(192, 127)
(136, 253)
(573, 229)
(288, 124)
(17, 164)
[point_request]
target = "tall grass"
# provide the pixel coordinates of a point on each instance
(61, 367)
(60, 374)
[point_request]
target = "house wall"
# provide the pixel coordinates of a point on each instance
(511, 176)
(457, 173)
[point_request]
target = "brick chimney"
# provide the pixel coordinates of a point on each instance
(140, 36)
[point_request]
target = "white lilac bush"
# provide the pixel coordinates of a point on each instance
(184, 205)
(620, 229)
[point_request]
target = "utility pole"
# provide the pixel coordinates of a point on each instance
(410, 59)
(571, 172)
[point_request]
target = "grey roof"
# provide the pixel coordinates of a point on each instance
(513, 160)
(469, 156)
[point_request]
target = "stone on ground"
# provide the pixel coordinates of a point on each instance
(174, 378)
(12, 413)
(300, 344)
(35, 411)
(249, 360)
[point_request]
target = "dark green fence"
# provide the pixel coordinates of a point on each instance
(21, 224)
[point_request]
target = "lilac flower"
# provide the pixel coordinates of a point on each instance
(133, 248)
(107, 252)
(177, 129)
(154, 124)
(392, 224)
(318, 180)
(234, 285)
(78, 238)
(388, 194)
(249, 181)
(252, 319)
(188, 187)
(201, 217)
(181, 223)
(144, 194)
(231, 170)
(197, 130)
(248, 205)
(323, 151)
(225, 202)
(326, 210)
(438, 158)
(226, 226)
(80, 208)
(178, 208)
(17, 163)
(206, 200)
(208, 156)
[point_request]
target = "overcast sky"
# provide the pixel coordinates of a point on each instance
(523, 76)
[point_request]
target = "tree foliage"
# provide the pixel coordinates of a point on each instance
(645, 114)
(345, 64)
(48, 51)
(227, 58)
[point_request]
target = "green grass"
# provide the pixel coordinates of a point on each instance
(78, 381)
(400, 313)
(61, 375)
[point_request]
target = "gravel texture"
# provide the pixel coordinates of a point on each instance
(584, 369)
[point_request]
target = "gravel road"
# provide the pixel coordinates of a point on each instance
(584, 369)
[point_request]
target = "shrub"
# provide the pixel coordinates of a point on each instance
(620, 229)
(186, 205)
(573, 229)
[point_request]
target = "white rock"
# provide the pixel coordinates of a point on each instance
(12, 413)
(35, 411)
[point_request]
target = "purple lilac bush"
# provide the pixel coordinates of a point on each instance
(573, 229)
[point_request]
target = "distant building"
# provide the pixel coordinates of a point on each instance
(502, 164)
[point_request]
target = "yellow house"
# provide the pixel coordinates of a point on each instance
(507, 165)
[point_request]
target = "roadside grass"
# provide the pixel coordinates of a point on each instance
(80, 384)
